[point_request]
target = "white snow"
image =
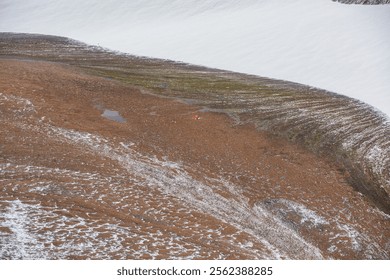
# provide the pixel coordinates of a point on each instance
(22, 245)
(341, 48)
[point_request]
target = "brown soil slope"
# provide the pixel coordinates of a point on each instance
(171, 181)
(346, 131)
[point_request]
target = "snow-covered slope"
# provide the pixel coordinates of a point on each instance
(341, 48)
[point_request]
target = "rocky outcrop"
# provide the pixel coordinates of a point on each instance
(364, 2)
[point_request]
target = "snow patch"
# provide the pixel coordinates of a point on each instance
(21, 243)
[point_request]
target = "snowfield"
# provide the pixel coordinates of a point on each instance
(325, 44)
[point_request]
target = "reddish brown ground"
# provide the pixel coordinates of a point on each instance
(264, 171)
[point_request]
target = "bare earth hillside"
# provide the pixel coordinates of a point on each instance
(106, 156)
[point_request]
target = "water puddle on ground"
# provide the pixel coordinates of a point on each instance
(113, 115)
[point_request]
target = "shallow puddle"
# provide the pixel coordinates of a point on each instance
(113, 115)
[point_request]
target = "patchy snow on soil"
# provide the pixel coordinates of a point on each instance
(34, 229)
(174, 180)
(17, 105)
(325, 44)
(151, 191)
(21, 244)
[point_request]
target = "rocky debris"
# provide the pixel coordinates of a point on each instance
(364, 2)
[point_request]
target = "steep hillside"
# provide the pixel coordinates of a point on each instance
(346, 130)
(110, 156)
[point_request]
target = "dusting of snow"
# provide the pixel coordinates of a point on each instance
(19, 106)
(306, 215)
(21, 244)
(45, 232)
(174, 180)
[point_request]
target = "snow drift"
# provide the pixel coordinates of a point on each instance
(341, 48)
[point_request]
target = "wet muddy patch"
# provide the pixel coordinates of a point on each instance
(113, 116)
